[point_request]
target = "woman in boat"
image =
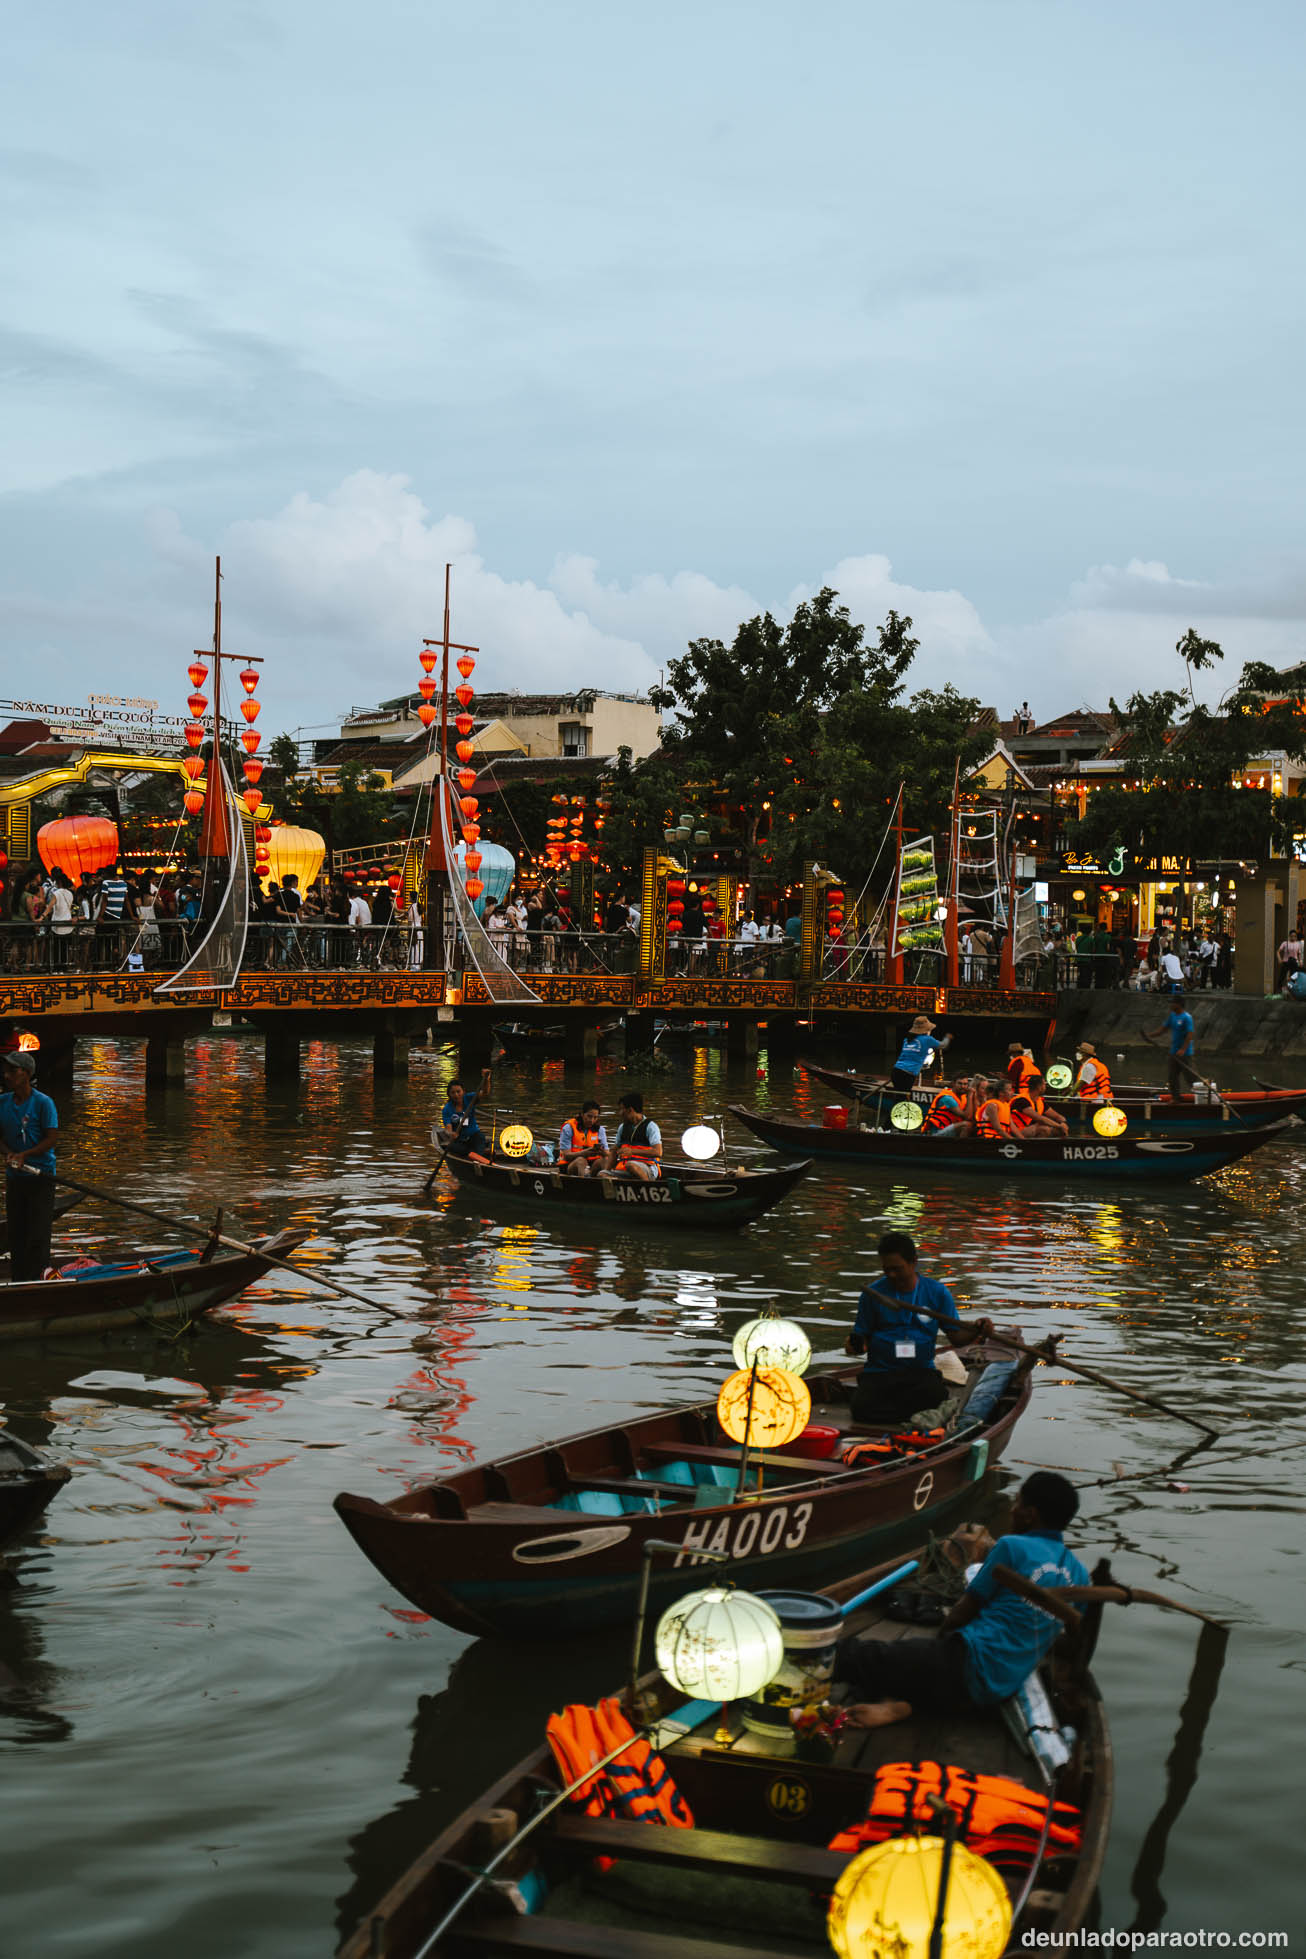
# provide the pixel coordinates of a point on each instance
(993, 1111)
(583, 1142)
(460, 1130)
(991, 1640)
(900, 1378)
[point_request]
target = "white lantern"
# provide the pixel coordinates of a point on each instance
(701, 1142)
(772, 1342)
(719, 1644)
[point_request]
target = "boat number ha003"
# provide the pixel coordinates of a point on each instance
(761, 1531)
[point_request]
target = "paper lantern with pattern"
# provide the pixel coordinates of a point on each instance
(772, 1342)
(297, 853)
(781, 1407)
(887, 1898)
(719, 1644)
(75, 844)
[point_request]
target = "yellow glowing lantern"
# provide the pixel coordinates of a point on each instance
(781, 1407)
(772, 1342)
(516, 1139)
(1110, 1121)
(719, 1644)
(295, 853)
(888, 1896)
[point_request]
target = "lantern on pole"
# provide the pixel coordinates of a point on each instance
(193, 801)
(197, 673)
(249, 678)
(193, 766)
(764, 1407)
(888, 1899)
(719, 1644)
(197, 704)
(250, 741)
(772, 1342)
(194, 733)
(251, 709)
(466, 665)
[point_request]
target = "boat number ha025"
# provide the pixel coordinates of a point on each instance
(738, 1536)
(1089, 1152)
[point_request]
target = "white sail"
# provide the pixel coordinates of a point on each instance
(216, 960)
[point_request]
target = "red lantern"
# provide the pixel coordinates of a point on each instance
(251, 799)
(426, 714)
(675, 887)
(466, 665)
(193, 765)
(194, 733)
(253, 771)
(426, 688)
(394, 881)
(428, 659)
(473, 860)
(475, 886)
(194, 801)
(197, 704)
(75, 844)
(251, 710)
(197, 673)
(464, 696)
(471, 833)
(673, 926)
(469, 806)
(464, 751)
(250, 740)
(464, 724)
(4, 859)
(466, 778)
(249, 678)
(262, 833)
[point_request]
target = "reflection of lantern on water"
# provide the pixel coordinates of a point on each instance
(772, 1342)
(513, 1269)
(719, 1644)
(887, 1899)
(781, 1407)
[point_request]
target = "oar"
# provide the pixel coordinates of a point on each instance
(233, 1244)
(1056, 1601)
(1075, 1366)
(1194, 1076)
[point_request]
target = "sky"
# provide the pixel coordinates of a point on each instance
(647, 319)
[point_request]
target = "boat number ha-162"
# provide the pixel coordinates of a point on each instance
(762, 1531)
(639, 1193)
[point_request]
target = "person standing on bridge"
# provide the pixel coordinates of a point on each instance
(918, 1052)
(29, 1124)
(900, 1379)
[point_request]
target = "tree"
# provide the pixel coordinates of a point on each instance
(1188, 761)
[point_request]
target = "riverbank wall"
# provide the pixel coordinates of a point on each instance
(1244, 1026)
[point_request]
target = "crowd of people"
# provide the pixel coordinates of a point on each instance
(1096, 958)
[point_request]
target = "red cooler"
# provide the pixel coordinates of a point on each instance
(835, 1117)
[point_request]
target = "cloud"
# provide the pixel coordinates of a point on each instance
(1144, 585)
(953, 637)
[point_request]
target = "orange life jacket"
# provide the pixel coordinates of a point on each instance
(938, 1117)
(635, 1787)
(583, 1139)
(1020, 1068)
(1024, 1109)
(993, 1118)
(999, 1818)
(1099, 1086)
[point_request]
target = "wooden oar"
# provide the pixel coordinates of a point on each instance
(1194, 1076)
(233, 1244)
(1075, 1366)
(1055, 1601)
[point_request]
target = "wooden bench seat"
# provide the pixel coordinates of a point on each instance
(702, 1850)
(729, 1457)
(585, 1941)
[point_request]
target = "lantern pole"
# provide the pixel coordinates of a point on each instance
(893, 958)
(215, 831)
(436, 860)
(748, 1424)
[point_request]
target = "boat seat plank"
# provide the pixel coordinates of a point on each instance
(518, 1513)
(765, 1458)
(705, 1850)
(584, 1941)
(636, 1486)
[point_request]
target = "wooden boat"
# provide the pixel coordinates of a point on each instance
(28, 1479)
(173, 1288)
(685, 1195)
(1131, 1157)
(752, 1878)
(551, 1539)
(1145, 1106)
(519, 1037)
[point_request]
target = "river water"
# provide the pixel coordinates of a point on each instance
(223, 1735)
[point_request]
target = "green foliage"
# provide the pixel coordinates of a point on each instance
(641, 796)
(361, 811)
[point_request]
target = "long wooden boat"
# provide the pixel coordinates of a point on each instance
(519, 1037)
(752, 1877)
(684, 1196)
(551, 1539)
(28, 1479)
(171, 1288)
(1076, 1157)
(1146, 1107)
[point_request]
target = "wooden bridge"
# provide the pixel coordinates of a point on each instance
(291, 1006)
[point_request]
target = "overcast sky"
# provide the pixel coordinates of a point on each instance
(649, 317)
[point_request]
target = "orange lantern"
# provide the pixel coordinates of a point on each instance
(426, 714)
(426, 688)
(464, 751)
(253, 770)
(75, 844)
(193, 765)
(250, 740)
(472, 860)
(249, 678)
(194, 733)
(471, 833)
(428, 659)
(464, 696)
(469, 806)
(197, 704)
(251, 799)
(466, 665)
(466, 778)
(262, 833)
(464, 724)
(194, 801)
(197, 673)
(394, 881)
(475, 886)
(251, 710)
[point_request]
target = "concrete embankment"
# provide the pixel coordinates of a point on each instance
(1231, 1024)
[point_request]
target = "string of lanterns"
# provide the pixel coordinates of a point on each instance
(468, 804)
(193, 799)
(193, 764)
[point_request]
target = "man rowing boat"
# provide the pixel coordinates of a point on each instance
(900, 1378)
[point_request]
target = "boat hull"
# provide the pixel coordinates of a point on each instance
(1147, 1108)
(692, 1200)
(171, 1296)
(1128, 1158)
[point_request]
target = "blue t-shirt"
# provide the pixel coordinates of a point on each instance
(464, 1118)
(1010, 1636)
(914, 1051)
(1181, 1026)
(22, 1123)
(886, 1327)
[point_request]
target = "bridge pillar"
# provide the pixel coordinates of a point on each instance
(741, 1037)
(580, 1043)
(165, 1061)
(389, 1052)
(280, 1054)
(641, 1032)
(475, 1046)
(781, 1033)
(54, 1070)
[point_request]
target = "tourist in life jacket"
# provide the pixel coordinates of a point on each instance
(1020, 1066)
(990, 1641)
(583, 1142)
(1093, 1082)
(946, 1115)
(900, 1378)
(993, 1112)
(1030, 1113)
(637, 1151)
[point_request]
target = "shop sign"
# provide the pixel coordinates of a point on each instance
(1164, 865)
(1081, 863)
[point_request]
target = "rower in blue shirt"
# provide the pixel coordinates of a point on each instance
(918, 1053)
(1179, 1026)
(900, 1378)
(460, 1131)
(991, 1640)
(29, 1124)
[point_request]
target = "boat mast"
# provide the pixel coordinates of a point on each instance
(215, 830)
